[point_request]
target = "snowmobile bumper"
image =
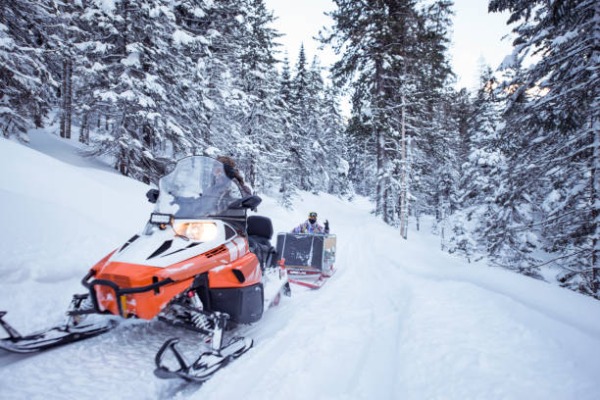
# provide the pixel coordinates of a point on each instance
(120, 293)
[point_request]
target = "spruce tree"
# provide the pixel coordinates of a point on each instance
(394, 60)
(555, 102)
(27, 83)
(260, 148)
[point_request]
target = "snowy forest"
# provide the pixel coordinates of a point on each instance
(510, 171)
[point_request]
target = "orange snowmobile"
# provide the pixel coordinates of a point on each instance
(200, 263)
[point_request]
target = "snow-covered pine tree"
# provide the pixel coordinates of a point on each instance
(481, 166)
(288, 186)
(79, 57)
(27, 84)
(218, 98)
(286, 81)
(335, 142)
(434, 168)
(90, 40)
(394, 60)
(506, 233)
(507, 218)
(299, 159)
(260, 149)
(556, 103)
(136, 92)
(314, 127)
(376, 42)
(200, 76)
(360, 150)
(65, 28)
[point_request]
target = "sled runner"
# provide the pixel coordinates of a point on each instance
(199, 264)
(308, 258)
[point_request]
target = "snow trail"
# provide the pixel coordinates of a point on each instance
(399, 319)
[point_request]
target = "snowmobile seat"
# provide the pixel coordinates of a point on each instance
(260, 232)
(260, 226)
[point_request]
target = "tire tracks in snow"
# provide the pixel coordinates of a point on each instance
(467, 326)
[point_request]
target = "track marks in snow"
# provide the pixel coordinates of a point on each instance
(478, 344)
(118, 361)
(457, 329)
(419, 261)
(340, 342)
(386, 299)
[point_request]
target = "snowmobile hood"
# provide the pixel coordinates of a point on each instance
(183, 240)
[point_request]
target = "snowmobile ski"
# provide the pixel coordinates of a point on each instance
(49, 338)
(205, 366)
(315, 284)
(309, 279)
(211, 325)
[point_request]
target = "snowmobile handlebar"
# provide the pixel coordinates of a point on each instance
(152, 195)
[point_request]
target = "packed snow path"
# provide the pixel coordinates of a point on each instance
(399, 320)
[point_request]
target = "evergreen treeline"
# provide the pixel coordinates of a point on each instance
(529, 182)
(510, 171)
(149, 81)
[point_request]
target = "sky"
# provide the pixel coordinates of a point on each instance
(477, 35)
(398, 320)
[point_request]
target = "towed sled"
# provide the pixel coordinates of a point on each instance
(200, 264)
(308, 258)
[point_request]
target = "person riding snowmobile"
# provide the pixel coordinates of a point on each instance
(234, 174)
(311, 225)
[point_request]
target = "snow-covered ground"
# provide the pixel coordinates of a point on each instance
(400, 319)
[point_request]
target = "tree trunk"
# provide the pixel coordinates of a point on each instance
(84, 132)
(69, 103)
(380, 142)
(252, 173)
(147, 140)
(403, 174)
(67, 94)
(5, 130)
(594, 276)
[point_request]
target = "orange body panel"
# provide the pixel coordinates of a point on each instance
(224, 277)
(102, 262)
(217, 262)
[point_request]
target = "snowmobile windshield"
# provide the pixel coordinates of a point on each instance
(197, 188)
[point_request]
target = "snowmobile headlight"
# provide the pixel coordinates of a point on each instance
(160, 219)
(197, 231)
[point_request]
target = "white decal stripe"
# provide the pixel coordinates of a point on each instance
(233, 251)
(254, 275)
(241, 245)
